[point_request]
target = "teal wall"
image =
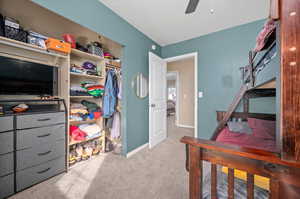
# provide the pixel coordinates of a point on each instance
(220, 55)
(97, 17)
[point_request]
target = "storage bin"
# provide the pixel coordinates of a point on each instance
(95, 48)
(1, 25)
(13, 30)
(36, 39)
(58, 45)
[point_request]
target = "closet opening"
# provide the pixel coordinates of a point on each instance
(89, 77)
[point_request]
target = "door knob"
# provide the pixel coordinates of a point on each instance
(152, 105)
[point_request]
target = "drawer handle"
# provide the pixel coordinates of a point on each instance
(44, 171)
(43, 120)
(41, 154)
(42, 136)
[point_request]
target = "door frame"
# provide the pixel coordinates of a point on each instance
(177, 94)
(184, 56)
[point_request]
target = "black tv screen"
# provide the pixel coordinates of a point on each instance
(26, 78)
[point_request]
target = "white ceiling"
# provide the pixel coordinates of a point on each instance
(164, 21)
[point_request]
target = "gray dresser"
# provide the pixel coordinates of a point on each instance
(32, 149)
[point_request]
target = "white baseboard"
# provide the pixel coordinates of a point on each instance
(185, 126)
(131, 153)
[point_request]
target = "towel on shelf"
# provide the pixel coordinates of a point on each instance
(90, 129)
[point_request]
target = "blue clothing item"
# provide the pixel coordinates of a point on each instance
(110, 94)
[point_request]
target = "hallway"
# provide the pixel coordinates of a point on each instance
(150, 174)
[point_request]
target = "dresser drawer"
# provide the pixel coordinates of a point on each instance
(34, 175)
(6, 123)
(6, 142)
(6, 164)
(44, 135)
(40, 120)
(40, 154)
(7, 186)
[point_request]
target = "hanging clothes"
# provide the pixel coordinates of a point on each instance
(120, 88)
(110, 94)
(116, 126)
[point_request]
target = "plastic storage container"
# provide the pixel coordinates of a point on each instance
(13, 30)
(95, 48)
(36, 39)
(58, 45)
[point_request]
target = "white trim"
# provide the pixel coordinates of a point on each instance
(185, 126)
(131, 153)
(177, 95)
(195, 55)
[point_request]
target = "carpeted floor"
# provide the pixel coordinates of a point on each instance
(158, 173)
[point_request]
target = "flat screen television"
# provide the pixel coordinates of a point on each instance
(19, 77)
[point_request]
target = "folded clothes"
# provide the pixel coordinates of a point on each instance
(85, 110)
(75, 118)
(79, 93)
(91, 106)
(93, 136)
(77, 105)
(96, 93)
(77, 70)
(97, 115)
(90, 129)
(78, 88)
(76, 134)
(94, 89)
(79, 110)
(94, 86)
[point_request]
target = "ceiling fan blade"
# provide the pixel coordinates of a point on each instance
(191, 6)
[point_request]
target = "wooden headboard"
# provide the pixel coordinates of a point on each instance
(244, 116)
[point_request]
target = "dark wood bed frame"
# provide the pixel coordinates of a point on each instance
(283, 169)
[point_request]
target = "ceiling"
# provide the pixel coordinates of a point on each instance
(164, 21)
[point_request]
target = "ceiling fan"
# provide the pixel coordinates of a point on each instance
(191, 6)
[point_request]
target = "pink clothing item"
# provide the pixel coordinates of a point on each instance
(265, 129)
(246, 140)
(76, 134)
(263, 36)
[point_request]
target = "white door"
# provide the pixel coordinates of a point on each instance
(157, 100)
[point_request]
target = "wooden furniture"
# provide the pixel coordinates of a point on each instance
(284, 175)
(78, 57)
(283, 169)
(33, 146)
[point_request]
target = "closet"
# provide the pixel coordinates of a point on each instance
(103, 135)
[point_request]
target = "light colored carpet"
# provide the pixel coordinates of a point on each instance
(158, 173)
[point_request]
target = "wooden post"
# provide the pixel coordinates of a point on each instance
(274, 188)
(214, 183)
(290, 79)
(230, 183)
(195, 178)
(250, 186)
